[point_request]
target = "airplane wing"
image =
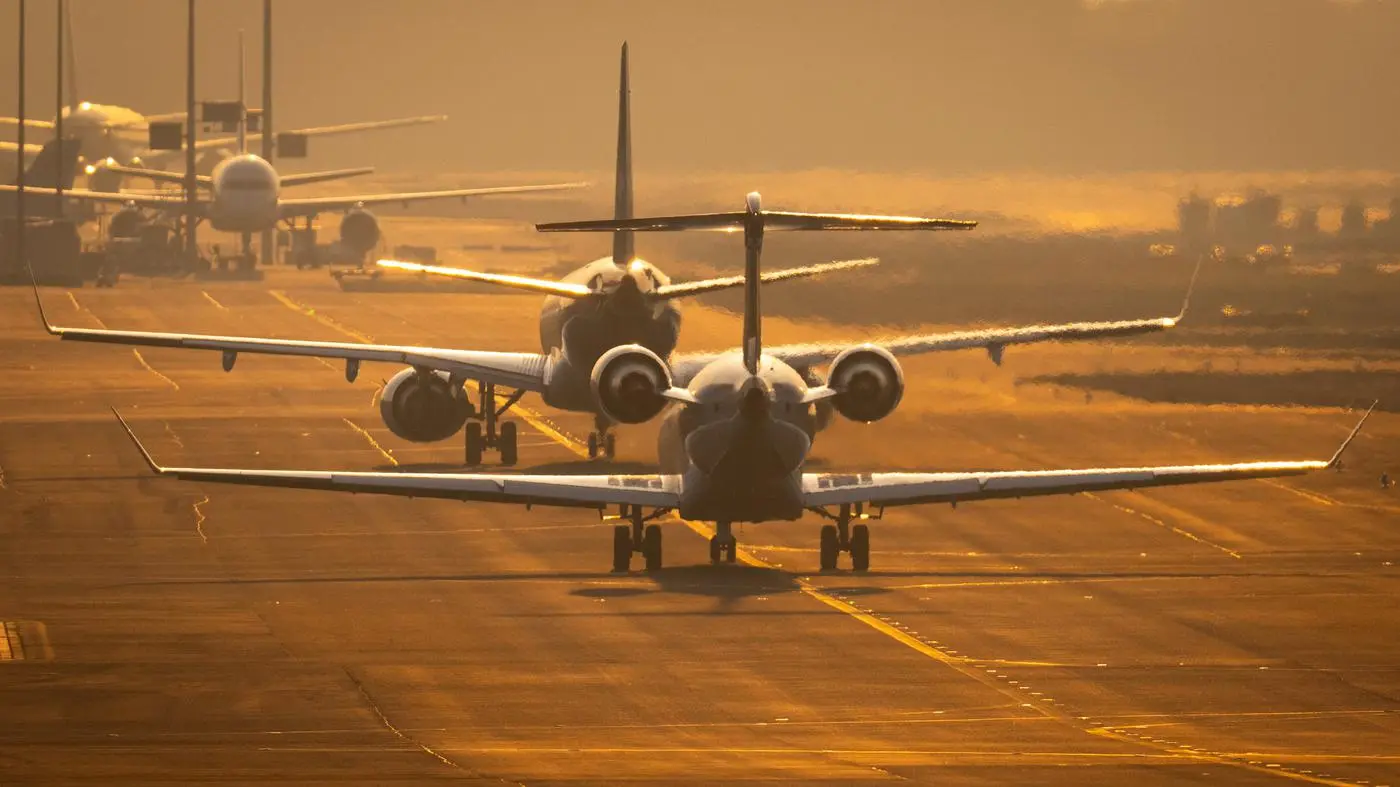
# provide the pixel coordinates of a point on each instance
(167, 117)
(303, 178)
(902, 489)
(158, 175)
(576, 491)
(562, 289)
(528, 371)
(323, 131)
(687, 288)
(310, 206)
(30, 149)
(140, 199)
(993, 340)
(46, 125)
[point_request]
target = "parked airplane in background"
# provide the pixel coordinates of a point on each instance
(244, 195)
(744, 441)
(112, 134)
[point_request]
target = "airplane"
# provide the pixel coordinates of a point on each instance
(244, 195)
(744, 443)
(45, 171)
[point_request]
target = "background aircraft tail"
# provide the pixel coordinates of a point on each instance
(624, 246)
(48, 171)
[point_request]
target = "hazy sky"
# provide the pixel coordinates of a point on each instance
(920, 86)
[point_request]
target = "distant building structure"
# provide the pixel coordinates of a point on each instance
(1353, 221)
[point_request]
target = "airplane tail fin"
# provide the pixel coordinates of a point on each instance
(48, 171)
(624, 245)
(753, 277)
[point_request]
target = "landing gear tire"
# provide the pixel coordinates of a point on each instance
(609, 445)
(860, 548)
(830, 547)
(507, 444)
(592, 445)
(651, 547)
(476, 446)
(716, 550)
(723, 550)
(622, 549)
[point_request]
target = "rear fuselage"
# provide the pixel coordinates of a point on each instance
(579, 331)
(741, 447)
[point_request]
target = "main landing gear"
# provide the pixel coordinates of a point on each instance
(601, 440)
(482, 430)
(842, 537)
(636, 537)
(724, 547)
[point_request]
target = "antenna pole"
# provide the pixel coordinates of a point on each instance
(268, 248)
(58, 118)
(191, 196)
(19, 154)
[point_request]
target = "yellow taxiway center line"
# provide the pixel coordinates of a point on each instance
(372, 442)
(321, 318)
(152, 369)
(211, 299)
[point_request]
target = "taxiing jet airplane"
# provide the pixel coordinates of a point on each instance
(615, 300)
(744, 444)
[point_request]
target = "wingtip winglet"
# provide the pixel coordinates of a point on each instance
(146, 455)
(39, 302)
(1337, 457)
(1190, 289)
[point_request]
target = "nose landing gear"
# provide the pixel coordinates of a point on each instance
(724, 547)
(602, 441)
(842, 537)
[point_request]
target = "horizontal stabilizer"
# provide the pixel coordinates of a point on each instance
(727, 282)
(46, 125)
(771, 220)
(562, 289)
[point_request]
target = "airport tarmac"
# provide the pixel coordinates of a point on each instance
(160, 632)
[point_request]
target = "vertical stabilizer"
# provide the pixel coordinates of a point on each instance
(624, 246)
(753, 250)
(55, 166)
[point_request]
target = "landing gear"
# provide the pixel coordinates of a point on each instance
(601, 441)
(488, 432)
(724, 547)
(842, 537)
(635, 537)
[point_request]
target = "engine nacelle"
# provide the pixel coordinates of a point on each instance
(424, 406)
(869, 383)
(126, 223)
(627, 384)
(359, 230)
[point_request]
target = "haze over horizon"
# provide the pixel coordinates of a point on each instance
(921, 87)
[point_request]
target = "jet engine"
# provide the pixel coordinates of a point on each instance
(359, 231)
(424, 406)
(628, 382)
(868, 381)
(126, 223)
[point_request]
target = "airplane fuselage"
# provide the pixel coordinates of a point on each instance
(107, 131)
(579, 331)
(244, 195)
(741, 447)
